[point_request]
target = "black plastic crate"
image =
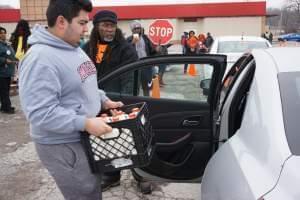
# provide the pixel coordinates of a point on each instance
(128, 146)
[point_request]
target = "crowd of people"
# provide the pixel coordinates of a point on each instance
(193, 45)
(10, 54)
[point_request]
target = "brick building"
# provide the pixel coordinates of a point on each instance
(220, 17)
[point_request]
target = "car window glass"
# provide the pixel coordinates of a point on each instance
(231, 76)
(238, 102)
(240, 46)
(165, 81)
(289, 83)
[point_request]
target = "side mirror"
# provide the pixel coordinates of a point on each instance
(205, 85)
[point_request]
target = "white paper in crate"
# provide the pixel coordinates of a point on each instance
(115, 146)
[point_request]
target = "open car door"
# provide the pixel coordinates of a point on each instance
(180, 114)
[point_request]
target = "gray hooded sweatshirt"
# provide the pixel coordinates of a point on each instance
(58, 89)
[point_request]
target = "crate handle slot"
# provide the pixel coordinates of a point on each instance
(115, 133)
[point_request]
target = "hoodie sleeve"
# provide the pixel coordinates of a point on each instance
(40, 90)
(103, 96)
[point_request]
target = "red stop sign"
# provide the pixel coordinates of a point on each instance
(160, 31)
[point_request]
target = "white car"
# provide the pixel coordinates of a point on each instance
(235, 46)
(241, 139)
(259, 111)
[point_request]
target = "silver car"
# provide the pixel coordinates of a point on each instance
(238, 135)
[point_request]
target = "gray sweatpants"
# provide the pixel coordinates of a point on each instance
(68, 165)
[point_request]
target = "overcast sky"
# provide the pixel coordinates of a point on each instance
(16, 4)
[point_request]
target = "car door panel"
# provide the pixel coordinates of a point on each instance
(177, 156)
(182, 128)
(179, 147)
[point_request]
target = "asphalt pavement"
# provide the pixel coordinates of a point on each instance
(22, 177)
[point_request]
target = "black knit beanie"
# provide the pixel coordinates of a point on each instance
(105, 15)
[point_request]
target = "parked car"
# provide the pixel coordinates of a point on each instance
(240, 139)
(235, 46)
(290, 37)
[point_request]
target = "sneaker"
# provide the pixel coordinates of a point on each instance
(10, 111)
(12, 108)
(145, 187)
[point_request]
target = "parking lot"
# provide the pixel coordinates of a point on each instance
(22, 177)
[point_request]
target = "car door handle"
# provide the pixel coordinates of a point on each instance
(190, 123)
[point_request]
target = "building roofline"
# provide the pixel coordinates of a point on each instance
(9, 15)
(187, 10)
(199, 10)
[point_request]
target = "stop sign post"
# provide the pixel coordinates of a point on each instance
(160, 32)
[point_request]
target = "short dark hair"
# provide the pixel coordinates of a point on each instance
(66, 8)
(2, 29)
(192, 32)
(24, 26)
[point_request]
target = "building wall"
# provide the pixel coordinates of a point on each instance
(233, 25)
(147, 9)
(185, 26)
(34, 10)
(217, 26)
(10, 27)
(125, 25)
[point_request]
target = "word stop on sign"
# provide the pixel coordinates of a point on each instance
(160, 31)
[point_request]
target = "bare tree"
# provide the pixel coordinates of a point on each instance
(292, 15)
(273, 19)
(293, 5)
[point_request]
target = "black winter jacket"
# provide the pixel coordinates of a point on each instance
(6, 52)
(117, 54)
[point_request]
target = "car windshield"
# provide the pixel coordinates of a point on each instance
(240, 46)
(290, 96)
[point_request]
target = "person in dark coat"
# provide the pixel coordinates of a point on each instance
(209, 41)
(144, 48)
(7, 68)
(109, 50)
(162, 50)
(184, 38)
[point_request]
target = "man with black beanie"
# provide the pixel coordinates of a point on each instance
(109, 50)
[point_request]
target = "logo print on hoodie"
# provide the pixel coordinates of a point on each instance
(86, 69)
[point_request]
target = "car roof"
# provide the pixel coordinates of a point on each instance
(240, 38)
(286, 59)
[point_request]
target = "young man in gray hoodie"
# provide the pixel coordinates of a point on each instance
(60, 98)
